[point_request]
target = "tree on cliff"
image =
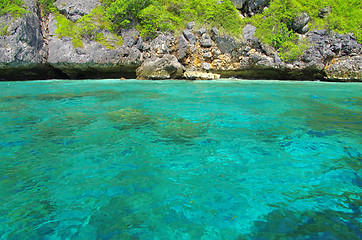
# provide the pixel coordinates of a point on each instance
(125, 13)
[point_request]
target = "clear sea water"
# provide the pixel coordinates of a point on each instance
(181, 160)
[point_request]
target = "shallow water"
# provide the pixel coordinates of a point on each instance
(180, 160)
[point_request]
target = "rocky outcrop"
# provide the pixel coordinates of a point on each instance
(159, 68)
(335, 54)
(22, 47)
(345, 68)
(74, 10)
(32, 49)
(94, 60)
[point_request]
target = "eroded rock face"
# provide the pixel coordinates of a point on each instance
(22, 46)
(32, 49)
(181, 47)
(326, 46)
(165, 67)
(345, 68)
(74, 10)
(93, 59)
(23, 41)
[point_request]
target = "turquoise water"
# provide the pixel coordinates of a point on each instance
(180, 160)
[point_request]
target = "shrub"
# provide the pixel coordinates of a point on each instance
(47, 6)
(151, 16)
(90, 26)
(14, 7)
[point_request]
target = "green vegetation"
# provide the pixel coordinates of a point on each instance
(47, 6)
(272, 24)
(152, 16)
(14, 7)
(90, 26)
(4, 29)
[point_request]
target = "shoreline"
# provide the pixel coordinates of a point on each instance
(159, 81)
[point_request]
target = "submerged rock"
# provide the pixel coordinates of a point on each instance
(178, 129)
(130, 118)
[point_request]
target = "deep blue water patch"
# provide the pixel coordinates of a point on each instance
(180, 160)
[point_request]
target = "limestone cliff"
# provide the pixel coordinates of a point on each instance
(31, 48)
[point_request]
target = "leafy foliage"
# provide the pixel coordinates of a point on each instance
(14, 7)
(272, 24)
(91, 26)
(345, 17)
(152, 16)
(125, 13)
(47, 6)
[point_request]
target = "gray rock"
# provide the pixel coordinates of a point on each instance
(206, 66)
(146, 46)
(62, 51)
(130, 37)
(23, 42)
(254, 58)
(181, 47)
(311, 55)
(190, 25)
(239, 4)
(165, 67)
(324, 12)
(131, 57)
(202, 31)
(325, 46)
(299, 23)
(267, 50)
(304, 30)
(214, 32)
(52, 26)
(347, 68)
(216, 52)
(161, 44)
(74, 10)
(22, 48)
(139, 44)
(189, 36)
(208, 55)
(248, 32)
(228, 45)
(205, 40)
(277, 60)
(251, 7)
